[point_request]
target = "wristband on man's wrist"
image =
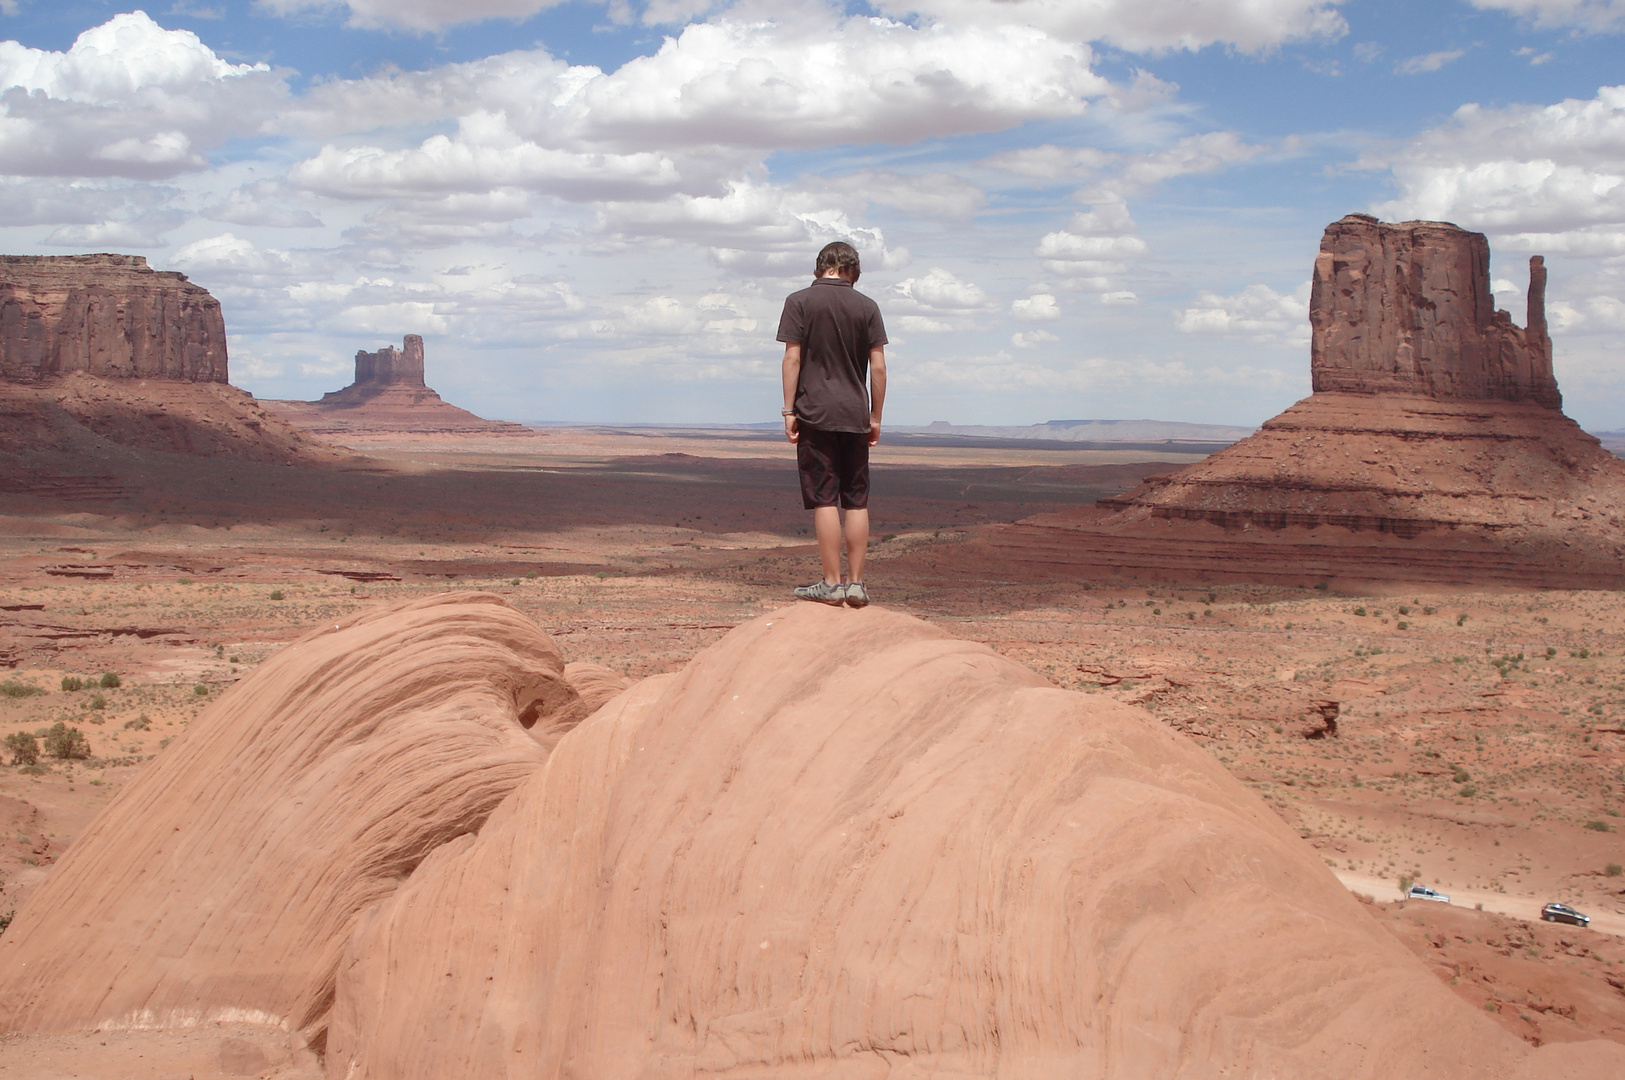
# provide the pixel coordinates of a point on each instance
(787, 412)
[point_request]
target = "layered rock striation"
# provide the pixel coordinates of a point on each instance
(837, 844)
(1435, 422)
(389, 397)
(106, 315)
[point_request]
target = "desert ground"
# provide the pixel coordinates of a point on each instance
(1473, 741)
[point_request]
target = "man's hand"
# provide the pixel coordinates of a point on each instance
(874, 433)
(792, 430)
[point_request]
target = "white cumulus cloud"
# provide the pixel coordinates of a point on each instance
(1040, 307)
(128, 98)
(939, 291)
(416, 14)
(1519, 169)
(1257, 313)
(1149, 25)
(1031, 339)
(1598, 15)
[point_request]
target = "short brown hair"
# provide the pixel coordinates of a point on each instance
(840, 257)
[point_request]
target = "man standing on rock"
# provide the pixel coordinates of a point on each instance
(834, 339)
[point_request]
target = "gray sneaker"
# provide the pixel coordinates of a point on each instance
(823, 592)
(857, 595)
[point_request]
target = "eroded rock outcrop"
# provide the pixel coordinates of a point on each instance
(106, 315)
(837, 844)
(101, 355)
(389, 397)
(376, 372)
(1433, 448)
(1407, 309)
(223, 884)
(844, 845)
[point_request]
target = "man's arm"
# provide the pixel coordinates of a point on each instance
(877, 390)
(792, 379)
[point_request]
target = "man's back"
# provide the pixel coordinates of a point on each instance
(836, 326)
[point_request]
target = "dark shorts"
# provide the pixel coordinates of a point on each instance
(834, 467)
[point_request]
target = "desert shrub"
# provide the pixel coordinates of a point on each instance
(1359, 611)
(513, 581)
(14, 689)
(1461, 620)
(1585, 654)
(98, 702)
(110, 680)
(65, 743)
(1430, 611)
(70, 683)
(1403, 625)
(1404, 609)
(5, 920)
(1459, 774)
(1599, 826)
(183, 581)
(1613, 869)
(1467, 791)
(276, 594)
(140, 723)
(23, 746)
(534, 574)
(200, 690)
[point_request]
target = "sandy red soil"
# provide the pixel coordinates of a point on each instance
(1479, 743)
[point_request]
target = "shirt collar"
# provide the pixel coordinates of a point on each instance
(832, 281)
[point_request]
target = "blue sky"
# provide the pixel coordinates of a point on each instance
(592, 211)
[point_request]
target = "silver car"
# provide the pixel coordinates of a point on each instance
(1422, 892)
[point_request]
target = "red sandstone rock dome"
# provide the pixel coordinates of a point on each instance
(836, 844)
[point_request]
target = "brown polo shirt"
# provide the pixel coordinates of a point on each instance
(836, 326)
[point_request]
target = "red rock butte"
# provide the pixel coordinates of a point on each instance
(1433, 449)
(102, 354)
(389, 396)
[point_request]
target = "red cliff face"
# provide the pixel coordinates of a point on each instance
(1407, 308)
(106, 315)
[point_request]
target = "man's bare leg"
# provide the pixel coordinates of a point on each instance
(857, 542)
(827, 527)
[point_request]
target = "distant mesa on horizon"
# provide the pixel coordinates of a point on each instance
(389, 397)
(1094, 431)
